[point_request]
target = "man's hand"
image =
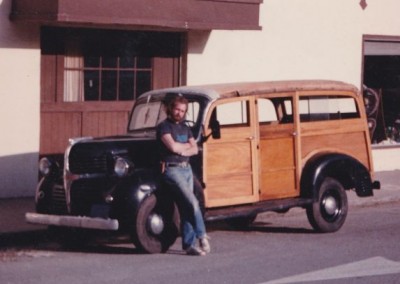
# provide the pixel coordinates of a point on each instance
(184, 149)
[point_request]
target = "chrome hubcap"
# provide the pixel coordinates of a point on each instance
(156, 224)
(330, 205)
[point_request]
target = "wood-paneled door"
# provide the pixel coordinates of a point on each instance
(277, 148)
(230, 163)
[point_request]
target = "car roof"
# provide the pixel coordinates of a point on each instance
(215, 91)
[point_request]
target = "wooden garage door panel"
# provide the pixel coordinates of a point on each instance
(104, 123)
(56, 129)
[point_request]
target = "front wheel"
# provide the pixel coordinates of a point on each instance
(328, 213)
(156, 225)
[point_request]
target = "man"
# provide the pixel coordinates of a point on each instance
(177, 144)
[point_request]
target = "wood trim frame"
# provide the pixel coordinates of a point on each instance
(180, 15)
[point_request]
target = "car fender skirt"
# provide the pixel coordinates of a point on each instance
(72, 221)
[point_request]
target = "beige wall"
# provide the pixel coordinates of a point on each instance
(300, 39)
(20, 105)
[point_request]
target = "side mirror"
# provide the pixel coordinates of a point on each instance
(215, 131)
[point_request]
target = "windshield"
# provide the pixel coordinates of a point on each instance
(149, 112)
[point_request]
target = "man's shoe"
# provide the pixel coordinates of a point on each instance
(195, 251)
(205, 244)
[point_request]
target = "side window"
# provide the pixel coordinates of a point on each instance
(266, 111)
(275, 110)
(192, 113)
(327, 108)
(232, 114)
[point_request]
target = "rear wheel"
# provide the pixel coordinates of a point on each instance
(156, 225)
(328, 213)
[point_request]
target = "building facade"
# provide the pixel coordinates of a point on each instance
(74, 68)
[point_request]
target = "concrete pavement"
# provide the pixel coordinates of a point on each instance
(13, 225)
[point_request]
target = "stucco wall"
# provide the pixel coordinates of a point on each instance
(20, 105)
(300, 39)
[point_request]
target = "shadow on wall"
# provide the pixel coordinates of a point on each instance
(198, 41)
(18, 175)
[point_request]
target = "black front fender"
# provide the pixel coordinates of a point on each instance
(130, 192)
(347, 170)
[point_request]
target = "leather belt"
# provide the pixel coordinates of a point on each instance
(181, 164)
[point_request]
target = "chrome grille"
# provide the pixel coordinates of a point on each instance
(83, 164)
(58, 200)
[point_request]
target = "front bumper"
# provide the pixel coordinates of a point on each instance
(72, 221)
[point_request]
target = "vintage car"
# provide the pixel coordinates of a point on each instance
(266, 146)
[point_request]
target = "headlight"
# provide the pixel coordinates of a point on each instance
(122, 167)
(45, 166)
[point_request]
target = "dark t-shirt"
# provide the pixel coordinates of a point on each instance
(180, 132)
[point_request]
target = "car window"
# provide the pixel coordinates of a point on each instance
(232, 113)
(275, 110)
(266, 111)
(327, 108)
(148, 114)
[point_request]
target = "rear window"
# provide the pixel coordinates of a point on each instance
(327, 108)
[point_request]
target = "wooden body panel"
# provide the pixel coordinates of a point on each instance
(346, 137)
(277, 161)
(277, 167)
(264, 161)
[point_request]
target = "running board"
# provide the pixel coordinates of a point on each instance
(255, 208)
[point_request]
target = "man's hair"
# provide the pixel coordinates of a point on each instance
(176, 100)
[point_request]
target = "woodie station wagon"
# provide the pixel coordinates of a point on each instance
(266, 146)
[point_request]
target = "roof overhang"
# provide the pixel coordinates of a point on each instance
(180, 15)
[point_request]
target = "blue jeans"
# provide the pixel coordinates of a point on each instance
(180, 181)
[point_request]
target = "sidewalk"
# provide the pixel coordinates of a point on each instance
(12, 211)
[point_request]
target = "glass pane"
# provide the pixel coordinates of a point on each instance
(91, 85)
(91, 61)
(234, 113)
(73, 85)
(143, 62)
(266, 111)
(126, 85)
(192, 112)
(109, 86)
(147, 115)
(127, 62)
(109, 62)
(143, 82)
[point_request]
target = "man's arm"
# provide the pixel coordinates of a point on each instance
(184, 149)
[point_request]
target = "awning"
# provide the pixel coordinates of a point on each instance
(155, 14)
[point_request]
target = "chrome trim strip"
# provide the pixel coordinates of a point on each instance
(68, 176)
(72, 221)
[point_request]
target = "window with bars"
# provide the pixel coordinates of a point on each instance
(109, 65)
(106, 78)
